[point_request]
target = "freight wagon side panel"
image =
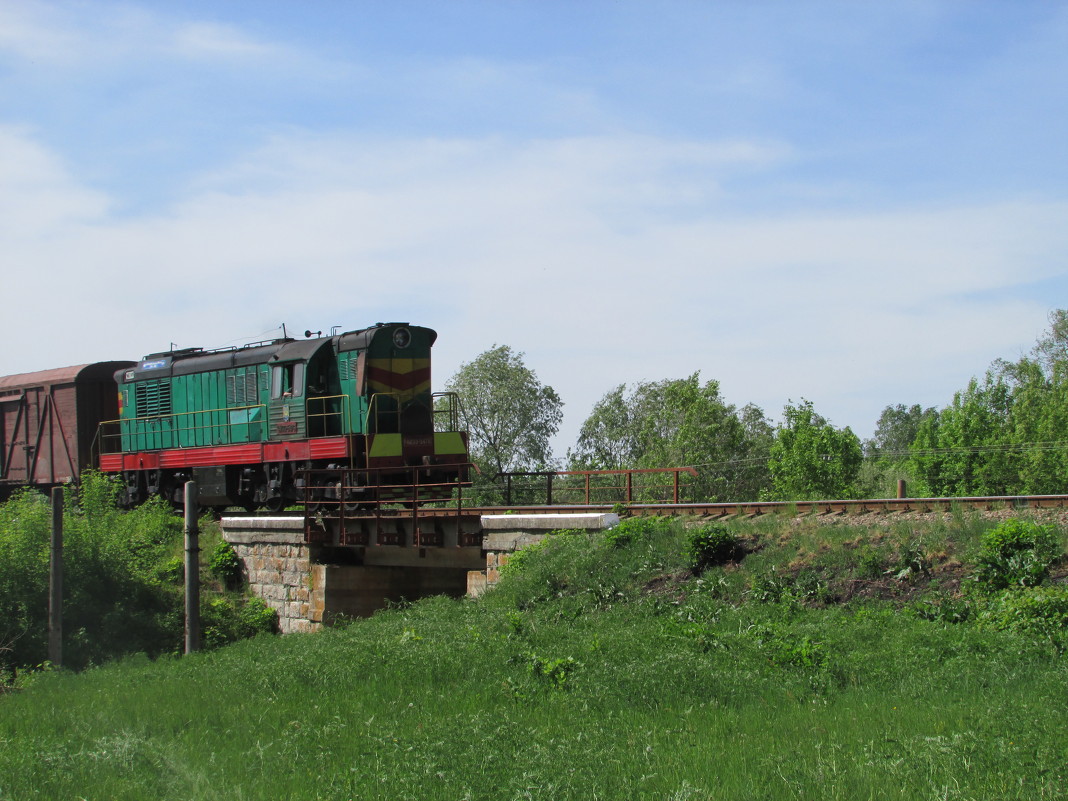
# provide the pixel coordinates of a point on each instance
(17, 418)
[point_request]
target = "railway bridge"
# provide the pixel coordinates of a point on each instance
(345, 559)
(311, 580)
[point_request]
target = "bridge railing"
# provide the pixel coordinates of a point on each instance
(371, 506)
(589, 487)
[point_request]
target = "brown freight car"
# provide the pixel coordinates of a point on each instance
(48, 421)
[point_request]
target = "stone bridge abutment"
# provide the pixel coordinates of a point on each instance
(310, 585)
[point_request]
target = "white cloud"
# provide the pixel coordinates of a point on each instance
(218, 41)
(38, 197)
(35, 31)
(560, 249)
(106, 36)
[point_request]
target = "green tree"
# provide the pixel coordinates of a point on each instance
(679, 423)
(1051, 350)
(887, 452)
(608, 439)
(812, 459)
(510, 415)
(896, 430)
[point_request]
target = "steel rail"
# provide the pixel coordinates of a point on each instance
(794, 508)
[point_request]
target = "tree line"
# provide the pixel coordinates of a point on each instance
(1006, 433)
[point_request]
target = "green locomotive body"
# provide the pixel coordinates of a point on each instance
(246, 422)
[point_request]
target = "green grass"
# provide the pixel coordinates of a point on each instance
(599, 669)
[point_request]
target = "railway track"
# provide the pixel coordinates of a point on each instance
(757, 508)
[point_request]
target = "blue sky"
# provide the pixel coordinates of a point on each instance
(860, 204)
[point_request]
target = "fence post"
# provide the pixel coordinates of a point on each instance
(192, 570)
(901, 488)
(55, 582)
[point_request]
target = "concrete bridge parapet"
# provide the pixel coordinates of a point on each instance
(505, 534)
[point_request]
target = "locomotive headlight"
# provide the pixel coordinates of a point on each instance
(402, 337)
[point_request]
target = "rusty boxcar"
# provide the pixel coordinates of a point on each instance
(49, 420)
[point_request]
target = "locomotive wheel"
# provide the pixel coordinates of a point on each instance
(275, 504)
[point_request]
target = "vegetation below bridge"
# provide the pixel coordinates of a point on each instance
(766, 659)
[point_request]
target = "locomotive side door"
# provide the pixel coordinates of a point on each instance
(285, 407)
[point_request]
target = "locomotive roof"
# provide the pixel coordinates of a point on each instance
(96, 371)
(195, 360)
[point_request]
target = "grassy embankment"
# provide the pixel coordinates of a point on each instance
(831, 662)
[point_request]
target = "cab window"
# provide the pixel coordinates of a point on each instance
(287, 380)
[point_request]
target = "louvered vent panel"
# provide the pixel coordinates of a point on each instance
(153, 398)
(241, 390)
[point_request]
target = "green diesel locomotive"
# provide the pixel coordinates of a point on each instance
(273, 423)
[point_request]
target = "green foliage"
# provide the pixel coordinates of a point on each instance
(226, 619)
(944, 609)
(787, 649)
(773, 586)
(510, 415)
(519, 559)
(677, 423)
(115, 601)
(1041, 611)
(1000, 434)
(553, 674)
(123, 578)
(811, 459)
(711, 544)
(1017, 553)
(591, 570)
(172, 570)
(601, 696)
(225, 565)
(896, 430)
(630, 530)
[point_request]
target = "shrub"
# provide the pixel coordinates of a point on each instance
(774, 587)
(711, 545)
(122, 579)
(1040, 610)
(631, 530)
(224, 620)
(943, 609)
(1017, 553)
(225, 565)
(518, 560)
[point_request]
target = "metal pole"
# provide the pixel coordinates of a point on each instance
(901, 488)
(192, 570)
(548, 489)
(55, 582)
